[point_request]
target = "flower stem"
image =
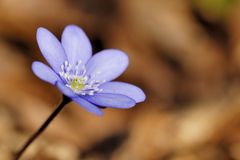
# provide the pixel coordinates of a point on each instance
(65, 101)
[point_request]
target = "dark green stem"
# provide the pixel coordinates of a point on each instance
(65, 101)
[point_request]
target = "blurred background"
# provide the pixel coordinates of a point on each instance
(185, 54)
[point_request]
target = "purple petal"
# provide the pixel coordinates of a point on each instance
(44, 72)
(51, 48)
(125, 89)
(111, 100)
(88, 106)
(107, 65)
(65, 90)
(76, 44)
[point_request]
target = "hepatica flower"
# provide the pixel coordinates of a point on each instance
(84, 78)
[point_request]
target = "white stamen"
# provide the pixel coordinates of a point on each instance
(75, 78)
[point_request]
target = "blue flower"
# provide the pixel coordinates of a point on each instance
(86, 79)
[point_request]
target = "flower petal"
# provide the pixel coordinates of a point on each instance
(76, 44)
(88, 106)
(51, 48)
(111, 100)
(44, 72)
(107, 65)
(65, 90)
(125, 89)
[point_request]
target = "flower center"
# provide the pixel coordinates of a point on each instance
(77, 84)
(74, 77)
